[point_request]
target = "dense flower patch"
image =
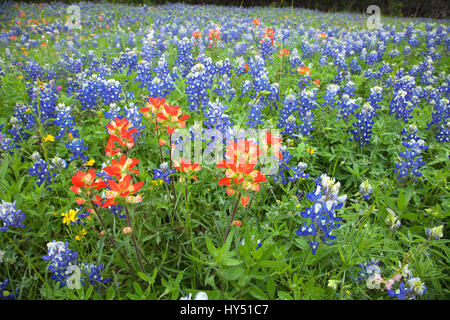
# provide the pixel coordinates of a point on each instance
(203, 152)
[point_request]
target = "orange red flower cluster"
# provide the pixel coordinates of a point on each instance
(83, 184)
(154, 105)
(241, 175)
(269, 33)
(214, 36)
(167, 115)
(120, 131)
(187, 168)
(284, 53)
(119, 189)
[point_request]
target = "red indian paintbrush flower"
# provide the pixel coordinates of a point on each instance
(269, 33)
(154, 105)
(284, 53)
(120, 130)
(122, 167)
(256, 22)
(85, 183)
(304, 70)
(187, 169)
(241, 175)
(170, 118)
(123, 190)
(214, 36)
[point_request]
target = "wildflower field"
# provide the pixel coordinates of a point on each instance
(204, 152)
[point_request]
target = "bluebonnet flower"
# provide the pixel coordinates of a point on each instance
(413, 41)
(199, 296)
(295, 60)
(330, 96)
(375, 97)
(215, 116)
(365, 189)
(6, 294)
(254, 115)
(405, 97)
(41, 170)
(10, 216)
(406, 50)
(394, 53)
(287, 173)
(322, 215)
(198, 82)
(258, 242)
(223, 67)
(6, 144)
(298, 110)
(440, 118)
(240, 48)
(267, 48)
(58, 164)
(60, 258)
(435, 233)
(444, 133)
(363, 126)
(109, 90)
(65, 121)
(411, 159)
(354, 67)
(414, 288)
(347, 106)
(117, 211)
(224, 87)
(162, 84)
(163, 172)
(132, 113)
(77, 146)
(368, 269)
(392, 220)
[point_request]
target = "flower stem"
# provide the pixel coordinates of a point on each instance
(188, 220)
(28, 261)
(111, 240)
(232, 217)
(138, 252)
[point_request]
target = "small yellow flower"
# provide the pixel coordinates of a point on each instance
(90, 163)
(19, 76)
(70, 136)
(347, 292)
(81, 234)
(297, 206)
(49, 138)
(6, 293)
(69, 216)
(310, 150)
